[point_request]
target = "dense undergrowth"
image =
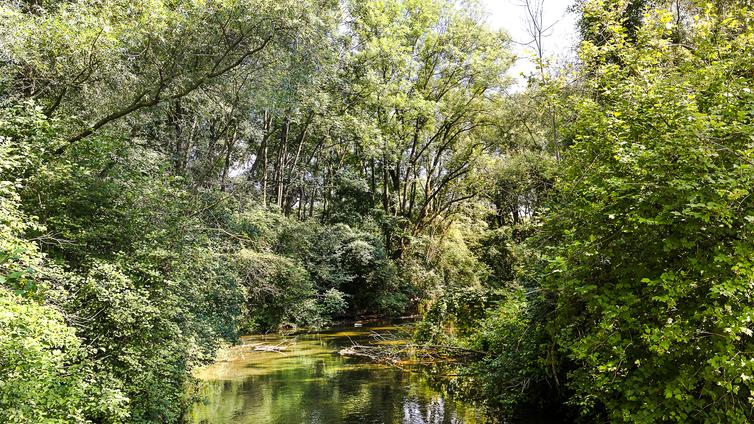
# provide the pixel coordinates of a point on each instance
(174, 174)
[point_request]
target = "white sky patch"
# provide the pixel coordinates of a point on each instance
(559, 45)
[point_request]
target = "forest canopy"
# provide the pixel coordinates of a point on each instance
(175, 174)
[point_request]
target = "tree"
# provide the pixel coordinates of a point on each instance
(428, 74)
(125, 56)
(651, 267)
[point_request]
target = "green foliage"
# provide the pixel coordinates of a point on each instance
(635, 298)
(456, 313)
(333, 303)
(356, 263)
(518, 188)
(437, 262)
(45, 375)
(651, 268)
(336, 264)
(17, 256)
(149, 327)
(451, 274)
(142, 318)
(497, 250)
(280, 291)
(353, 199)
(423, 76)
(513, 376)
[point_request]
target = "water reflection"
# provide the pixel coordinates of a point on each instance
(310, 383)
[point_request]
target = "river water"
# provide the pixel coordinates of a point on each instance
(310, 383)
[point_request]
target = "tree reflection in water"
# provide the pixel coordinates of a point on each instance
(311, 384)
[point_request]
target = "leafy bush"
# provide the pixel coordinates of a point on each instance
(652, 267)
(456, 313)
(515, 375)
(336, 258)
(45, 375)
(273, 283)
(281, 294)
(134, 289)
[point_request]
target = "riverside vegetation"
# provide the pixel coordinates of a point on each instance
(176, 173)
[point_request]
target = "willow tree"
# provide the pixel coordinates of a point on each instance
(424, 75)
(103, 245)
(96, 63)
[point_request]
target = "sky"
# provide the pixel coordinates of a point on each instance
(511, 15)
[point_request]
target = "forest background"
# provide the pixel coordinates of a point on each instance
(176, 173)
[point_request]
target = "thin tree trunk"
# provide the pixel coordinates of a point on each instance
(386, 205)
(300, 202)
(226, 166)
(300, 141)
(282, 154)
(373, 182)
(175, 119)
(266, 125)
(264, 164)
(311, 201)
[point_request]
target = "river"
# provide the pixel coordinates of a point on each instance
(310, 383)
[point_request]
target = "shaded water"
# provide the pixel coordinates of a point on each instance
(310, 383)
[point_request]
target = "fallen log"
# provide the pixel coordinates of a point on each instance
(410, 353)
(270, 348)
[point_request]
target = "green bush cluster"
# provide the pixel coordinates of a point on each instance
(104, 322)
(46, 373)
(306, 273)
(652, 264)
(632, 296)
(123, 292)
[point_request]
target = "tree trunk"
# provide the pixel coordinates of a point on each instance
(226, 166)
(264, 160)
(282, 156)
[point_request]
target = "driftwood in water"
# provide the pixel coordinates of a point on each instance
(259, 347)
(370, 352)
(270, 348)
(398, 352)
(410, 352)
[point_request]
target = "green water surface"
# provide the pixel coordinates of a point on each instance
(311, 383)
